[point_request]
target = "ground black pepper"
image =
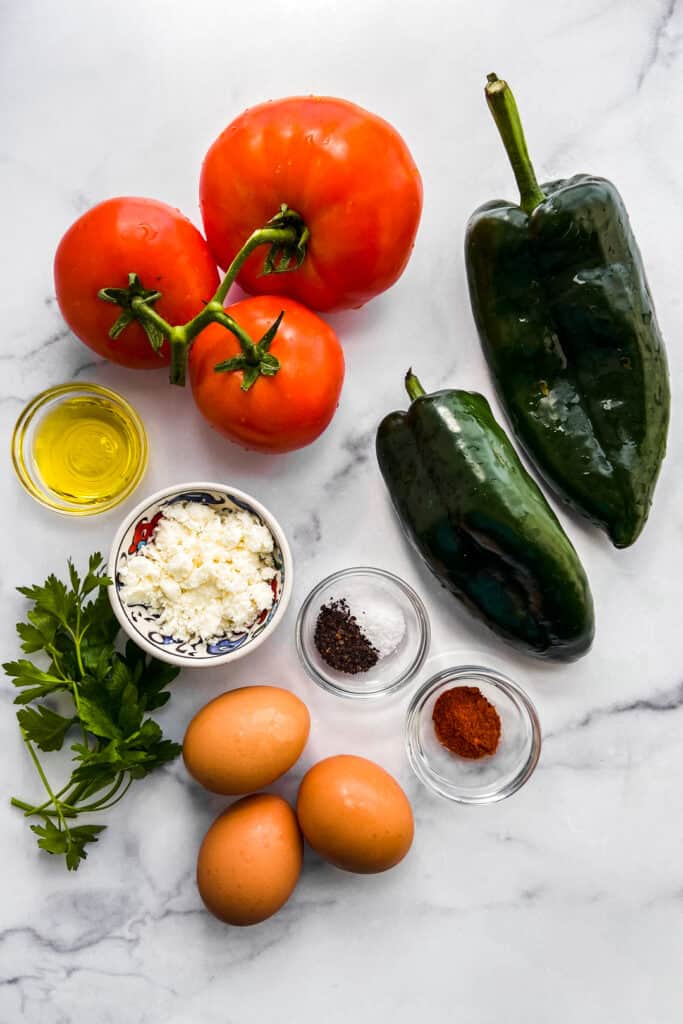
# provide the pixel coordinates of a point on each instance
(340, 640)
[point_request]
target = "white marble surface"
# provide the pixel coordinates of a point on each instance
(562, 904)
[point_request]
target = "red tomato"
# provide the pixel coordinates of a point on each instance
(347, 172)
(280, 413)
(122, 236)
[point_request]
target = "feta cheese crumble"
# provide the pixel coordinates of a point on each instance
(205, 572)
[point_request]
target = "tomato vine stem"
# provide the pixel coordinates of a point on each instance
(286, 236)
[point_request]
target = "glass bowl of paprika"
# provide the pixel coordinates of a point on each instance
(472, 735)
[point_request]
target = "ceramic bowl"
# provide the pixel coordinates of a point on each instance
(141, 623)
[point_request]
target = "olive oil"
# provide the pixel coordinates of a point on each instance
(86, 450)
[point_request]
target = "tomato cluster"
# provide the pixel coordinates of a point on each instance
(355, 193)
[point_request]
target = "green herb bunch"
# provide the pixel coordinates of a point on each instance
(111, 692)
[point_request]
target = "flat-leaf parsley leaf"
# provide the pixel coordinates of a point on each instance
(110, 691)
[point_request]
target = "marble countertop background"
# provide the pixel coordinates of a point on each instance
(563, 904)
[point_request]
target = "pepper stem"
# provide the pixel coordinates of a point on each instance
(502, 105)
(413, 386)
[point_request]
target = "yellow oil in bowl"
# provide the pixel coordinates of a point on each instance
(79, 449)
(86, 450)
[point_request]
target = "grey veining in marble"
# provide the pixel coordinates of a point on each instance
(563, 904)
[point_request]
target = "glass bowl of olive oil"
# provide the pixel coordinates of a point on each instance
(79, 449)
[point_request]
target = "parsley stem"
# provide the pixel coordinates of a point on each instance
(78, 790)
(77, 636)
(112, 803)
(45, 810)
(38, 808)
(28, 808)
(43, 778)
(71, 810)
(98, 804)
(105, 802)
(54, 654)
(76, 697)
(73, 686)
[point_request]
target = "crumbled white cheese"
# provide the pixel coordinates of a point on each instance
(205, 571)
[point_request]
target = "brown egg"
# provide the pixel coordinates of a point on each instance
(250, 860)
(355, 814)
(245, 739)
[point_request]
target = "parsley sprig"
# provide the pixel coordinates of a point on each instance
(110, 693)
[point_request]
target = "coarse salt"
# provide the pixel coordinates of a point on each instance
(380, 620)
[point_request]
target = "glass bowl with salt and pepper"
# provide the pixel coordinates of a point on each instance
(362, 633)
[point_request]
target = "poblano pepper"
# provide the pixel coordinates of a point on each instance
(569, 330)
(481, 524)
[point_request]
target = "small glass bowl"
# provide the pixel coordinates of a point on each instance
(481, 781)
(23, 441)
(391, 672)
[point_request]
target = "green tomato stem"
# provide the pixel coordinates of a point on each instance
(255, 360)
(248, 347)
(503, 107)
(178, 341)
(206, 316)
(280, 238)
(286, 236)
(144, 312)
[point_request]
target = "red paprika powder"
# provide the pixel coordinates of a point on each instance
(466, 723)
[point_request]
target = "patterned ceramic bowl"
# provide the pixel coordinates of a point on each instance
(141, 623)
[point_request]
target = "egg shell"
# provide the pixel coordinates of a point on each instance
(245, 739)
(354, 814)
(250, 860)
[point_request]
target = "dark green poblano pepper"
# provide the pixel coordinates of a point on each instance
(482, 525)
(569, 330)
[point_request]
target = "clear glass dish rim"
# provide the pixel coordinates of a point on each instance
(436, 783)
(424, 629)
(24, 421)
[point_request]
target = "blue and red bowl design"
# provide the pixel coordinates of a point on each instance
(144, 621)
